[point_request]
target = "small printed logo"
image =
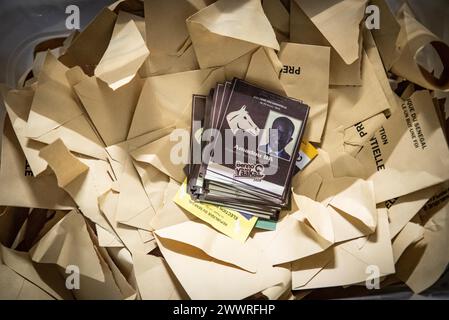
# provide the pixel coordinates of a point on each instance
(249, 170)
(241, 120)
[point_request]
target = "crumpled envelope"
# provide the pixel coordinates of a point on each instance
(346, 263)
(168, 212)
(134, 206)
(155, 279)
(348, 106)
(130, 236)
(423, 262)
(263, 71)
(158, 154)
(168, 40)
(18, 106)
(158, 107)
(123, 57)
(400, 41)
(279, 17)
(46, 123)
(89, 46)
(83, 185)
(401, 210)
(18, 186)
(310, 84)
(208, 277)
(111, 111)
(409, 153)
(336, 24)
(99, 276)
(228, 29)
(39, 281)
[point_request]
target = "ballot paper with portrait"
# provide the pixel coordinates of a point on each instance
(250, 141)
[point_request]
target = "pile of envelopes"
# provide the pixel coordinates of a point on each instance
(87, 185)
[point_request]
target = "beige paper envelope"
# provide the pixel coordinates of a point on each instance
(263, 71)
(74, 247)
(339, 22)
(111, 111)
(128, 6)
(410, 234)
(120, 152)
(169, 213)
(281, 291)
(18, 187)
(345, 165)
(155, 183)
(349, 201)
(400, 159)
(279, 18)
(146, 235)
(401, 210)
(124, 17)
(309, 181)
(171, 49)
(412, 38)
(124, 55)
(345, 263)
(155, 279)
(351, 105)
(12, 220)
(158, 154)
(216, 245)
(304, 30)
(387, 36)
(107, 239)
(128, 235)
(228, 29)
(65, 165)
(350, 204)
(119, 284)
(400, 43)
(158, 107)
(239, 67)
(374, 57)
(55, 113)
(134, 206)
(84, 186)
(19, 288)
(18, 105)
(311, 85)
(46, 278)
(208, 278)
(423, 263)
(89, 46)
(294, 238)
(356, 136)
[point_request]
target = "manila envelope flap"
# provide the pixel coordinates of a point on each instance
(18, 186)
(208, 278)
(67, 121)
(228, 29)
(158, 107)
(215, 244)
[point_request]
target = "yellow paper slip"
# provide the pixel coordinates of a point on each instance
(307, 153)
(228, 222)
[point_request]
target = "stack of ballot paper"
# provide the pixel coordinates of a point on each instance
(245, 165)
(230, 149)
